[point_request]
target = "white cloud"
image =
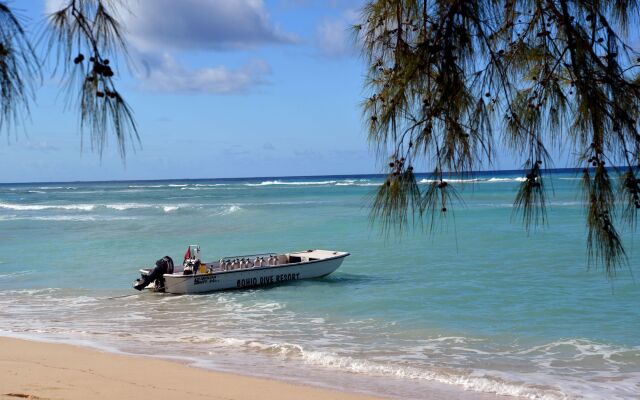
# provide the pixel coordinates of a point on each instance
(163, 25)
(159, 29)
(170, 76)
(201, 25)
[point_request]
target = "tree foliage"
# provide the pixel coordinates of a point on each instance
(450, 78)
(19, 68)
(80, 37)
(84, 34)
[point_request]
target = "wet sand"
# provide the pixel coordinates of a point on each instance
(37, 370)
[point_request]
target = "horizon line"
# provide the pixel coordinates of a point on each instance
(470, 173)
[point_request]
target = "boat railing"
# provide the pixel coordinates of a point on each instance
(250, 255)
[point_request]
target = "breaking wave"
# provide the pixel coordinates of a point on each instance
(229, 210)
(38, 207)
(476, 381)
(345, 182)
(357, 183)
(449, 180)
(518, 179)
(134, 206)
(204, 187)
(88, 207)
(72, 218)
(476, 180)
(276, 182)
(57, 187)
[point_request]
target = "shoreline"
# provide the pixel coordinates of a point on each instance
(40, 369)
(46, 370)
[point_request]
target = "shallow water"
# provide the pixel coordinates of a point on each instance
(480, 305)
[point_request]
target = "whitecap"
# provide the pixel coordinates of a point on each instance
(230, 209)
(56, 187)
(475, 180)
(127, 206)
(136, 206)
(357, 184)
(72, 218)
(277, 182)
(518, 179)
(450, 180)
(39, 207)
(64, 218)
(203, 187)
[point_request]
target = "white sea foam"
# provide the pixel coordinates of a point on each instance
(450, 180)
(81, 218)
(57, 187)
(14, 274)
(65, 218)
(127, 206)
(277, 182)
(76, 218)
(510, 205)
(204, 187)
(472, 381)
(476, 180)
(170, 185)
(230, 210)
(135, 206)
(90, 207)
(580, 349)
(357, 184)
(280, 203)
(518, 179)
(346, 182)
(30, 291)
(38, 207)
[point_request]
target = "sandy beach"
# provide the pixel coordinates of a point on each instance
(38, 370)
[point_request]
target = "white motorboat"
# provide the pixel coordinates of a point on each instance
(237, 272)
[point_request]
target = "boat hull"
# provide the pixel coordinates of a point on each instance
(249, 278)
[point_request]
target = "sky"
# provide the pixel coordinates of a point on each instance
(220, 88)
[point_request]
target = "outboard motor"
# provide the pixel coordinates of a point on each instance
(163, 266)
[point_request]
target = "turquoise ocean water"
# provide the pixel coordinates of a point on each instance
(478, 308)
